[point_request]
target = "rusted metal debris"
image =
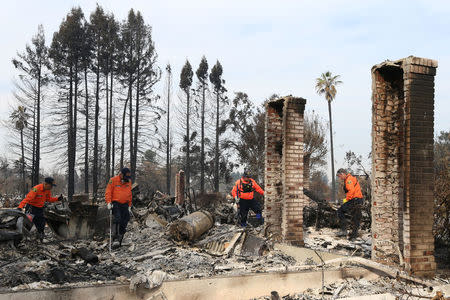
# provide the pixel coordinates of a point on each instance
(13, 225)
(73, 220)
(254, 246)
(192, 226)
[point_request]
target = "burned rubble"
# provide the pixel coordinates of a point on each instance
(152, 252)
(149, 248)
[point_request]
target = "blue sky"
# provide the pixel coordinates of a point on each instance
(269, 47)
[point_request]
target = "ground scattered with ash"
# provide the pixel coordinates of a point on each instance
(326, 239)
(146, 248)
(362, 287)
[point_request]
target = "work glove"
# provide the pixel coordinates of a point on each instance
(109, 206)
(129, 209)
(20, 209)
(60, 198)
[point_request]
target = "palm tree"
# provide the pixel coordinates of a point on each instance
(326, 85)
(20, 119)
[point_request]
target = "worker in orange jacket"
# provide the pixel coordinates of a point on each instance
(243, 192)
(118, 197)
(34, 203)
(351, 203)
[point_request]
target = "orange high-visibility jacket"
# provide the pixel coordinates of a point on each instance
(237, 189)
(352, 188)
(118, 191)
(37, 197)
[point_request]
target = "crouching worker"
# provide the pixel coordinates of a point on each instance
(118, 198)
(351, 204)
(243, 192)
(34, 203)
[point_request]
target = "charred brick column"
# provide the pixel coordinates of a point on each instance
(284, 200)
(273, 173)
(402, 163)
(293, 199)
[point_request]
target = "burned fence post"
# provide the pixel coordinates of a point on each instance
(180, 184)
(402, 163)
(284, 199)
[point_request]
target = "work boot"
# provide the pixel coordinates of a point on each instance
(243, 225)
(40, 236)
(342, 233)
(115, 231)
(115, 245)
(120, 239)
(260, 219)
(353, 235)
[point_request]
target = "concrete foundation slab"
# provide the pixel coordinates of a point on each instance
(236, 287)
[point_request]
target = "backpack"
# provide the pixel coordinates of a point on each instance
(247, 187)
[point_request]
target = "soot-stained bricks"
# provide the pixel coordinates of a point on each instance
(402, 163)
(284, 199)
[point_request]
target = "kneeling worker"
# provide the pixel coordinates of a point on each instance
(351, 204)
(243, 192)
(118, 198)
(35, 201)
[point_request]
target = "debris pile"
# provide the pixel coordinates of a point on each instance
(326, 239)
(14, 224)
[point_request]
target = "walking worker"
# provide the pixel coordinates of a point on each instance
(243, 192)
(351, 203)
(118, 198)
(34, 203)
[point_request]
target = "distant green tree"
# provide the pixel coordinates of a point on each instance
(326, 86)
(315, 145)
(246, 123)
(442, 188)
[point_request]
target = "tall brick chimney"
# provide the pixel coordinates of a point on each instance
(284, 199)
(402, 163)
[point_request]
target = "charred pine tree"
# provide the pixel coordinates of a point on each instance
(66, 55)
(185, 84)
(168, 136)
(110, 67)
(33, 65)
(202, 76)
(219, 91)
(127, 71)
(98, 32)
(147, 74)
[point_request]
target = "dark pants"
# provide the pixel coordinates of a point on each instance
(245, 206)
(38, 216)
(121, 217)
(352, 207)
